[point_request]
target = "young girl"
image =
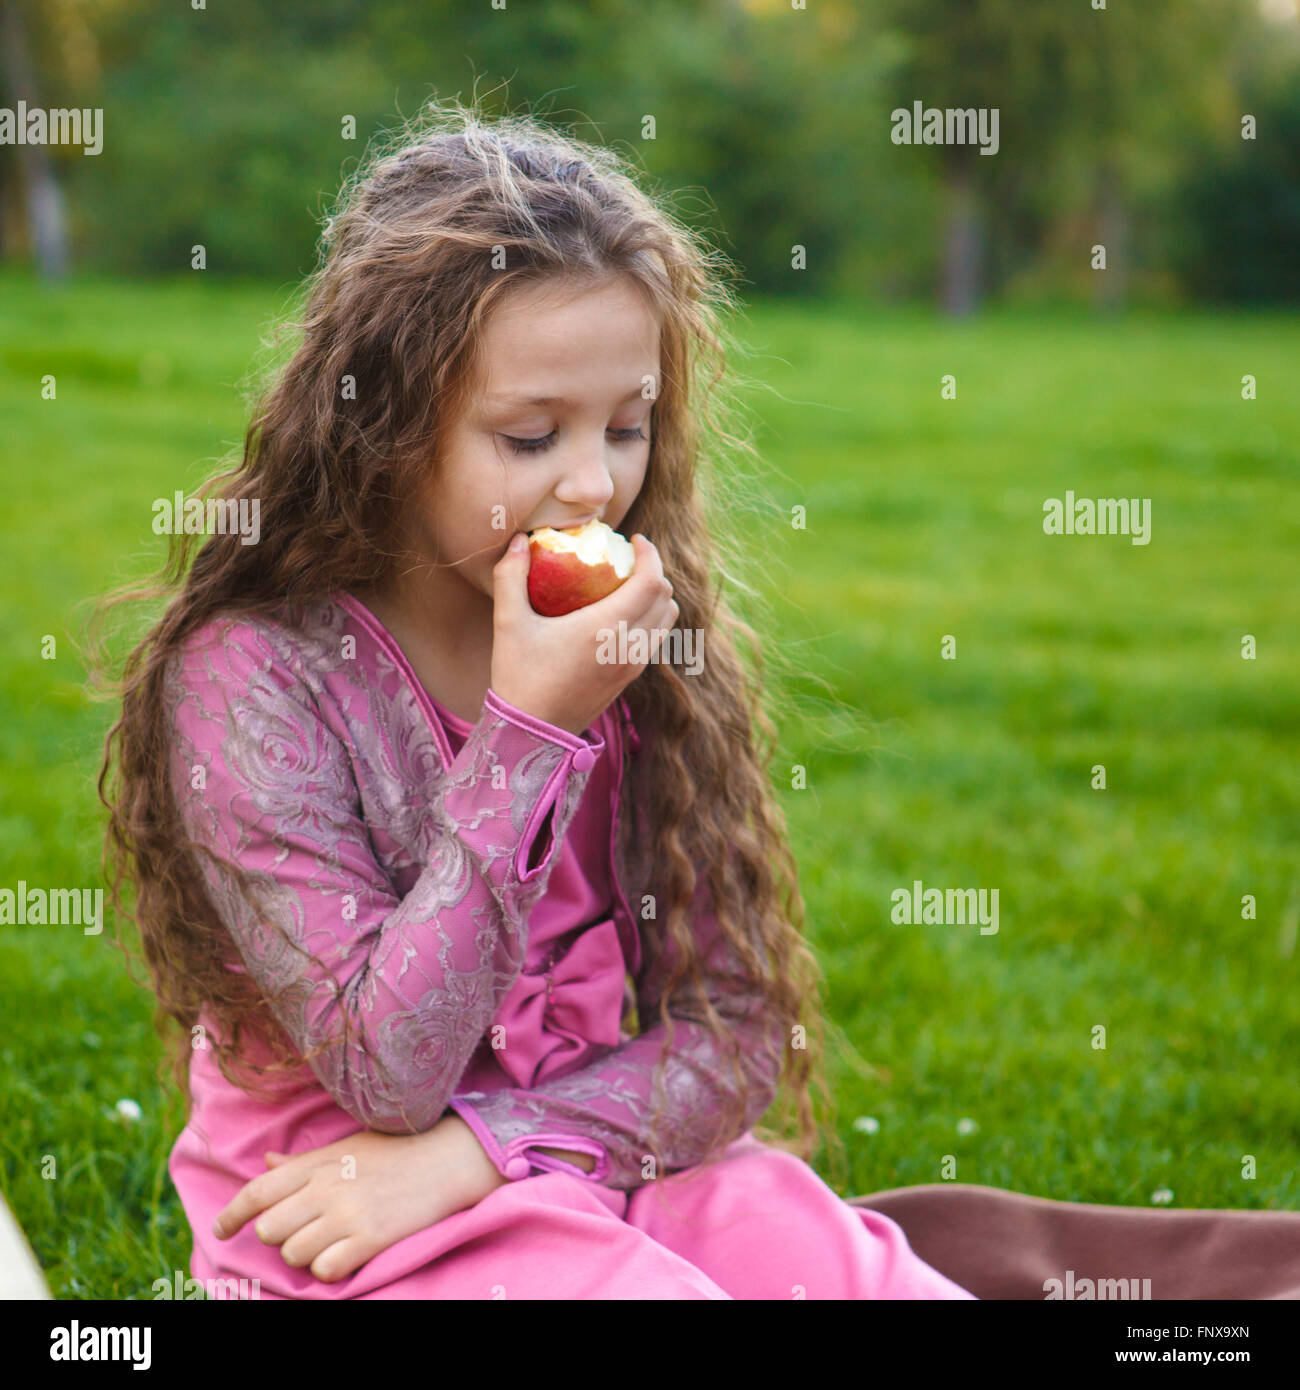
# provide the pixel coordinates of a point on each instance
(485, 950)
(409, 855)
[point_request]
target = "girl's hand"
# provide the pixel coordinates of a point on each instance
(334, 1208)
(548, 667)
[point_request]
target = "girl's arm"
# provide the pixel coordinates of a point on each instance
(400, 1185)
(604, 1108)
(584, 1161)
(266, 782)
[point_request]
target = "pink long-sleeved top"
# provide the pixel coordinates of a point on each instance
(472, 904)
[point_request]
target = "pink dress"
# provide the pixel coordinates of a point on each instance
(467, 888)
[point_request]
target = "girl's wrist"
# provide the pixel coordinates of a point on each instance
(582, 1160)
(477, 1173)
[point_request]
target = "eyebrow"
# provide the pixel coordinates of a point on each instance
(504, 399)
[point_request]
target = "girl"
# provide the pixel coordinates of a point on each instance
(485, 951)
(409, 856)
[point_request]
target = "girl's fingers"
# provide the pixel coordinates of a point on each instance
(278, 1223)
(648, 560)
(649, 569)
(264, 1191)
(655, 613)
(657, 623)
(305, 1245)
(661, 623)
(342, 1258)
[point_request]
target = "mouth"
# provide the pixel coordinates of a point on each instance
(568, 525)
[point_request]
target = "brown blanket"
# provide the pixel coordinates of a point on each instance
(1000, 1244)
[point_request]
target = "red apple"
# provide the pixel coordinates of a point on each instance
(575, 566)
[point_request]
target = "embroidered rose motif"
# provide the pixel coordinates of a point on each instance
(420, 1044)
(287, 763)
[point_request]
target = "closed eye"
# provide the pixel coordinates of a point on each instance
(544, 442)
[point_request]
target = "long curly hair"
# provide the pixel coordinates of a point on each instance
(405, 278)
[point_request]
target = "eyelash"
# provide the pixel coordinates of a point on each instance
(542, 443)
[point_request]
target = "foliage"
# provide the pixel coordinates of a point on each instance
(224, 127)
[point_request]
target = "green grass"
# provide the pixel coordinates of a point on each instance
(1119, 908)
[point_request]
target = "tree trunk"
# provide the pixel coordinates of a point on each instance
(36, 181)
(962, 241)
(1113, 222)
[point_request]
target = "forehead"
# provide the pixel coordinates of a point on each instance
(545, 341)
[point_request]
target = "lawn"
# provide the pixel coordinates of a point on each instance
(1119, 908)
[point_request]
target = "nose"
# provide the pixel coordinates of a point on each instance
(585, 480)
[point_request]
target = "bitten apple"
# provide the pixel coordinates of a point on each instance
(573, 567)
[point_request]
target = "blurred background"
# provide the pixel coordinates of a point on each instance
(1119, 125)
(1162, 909)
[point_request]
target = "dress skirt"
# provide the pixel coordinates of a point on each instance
(758, 1223)
(761, 1224)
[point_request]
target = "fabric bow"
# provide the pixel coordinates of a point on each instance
(549, 1029)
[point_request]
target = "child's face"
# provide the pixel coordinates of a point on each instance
(594, 348)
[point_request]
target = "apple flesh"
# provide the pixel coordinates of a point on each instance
(573, 567)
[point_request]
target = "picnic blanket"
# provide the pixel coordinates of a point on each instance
(1010, 1245)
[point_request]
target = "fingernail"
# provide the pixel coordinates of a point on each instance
(519, 542)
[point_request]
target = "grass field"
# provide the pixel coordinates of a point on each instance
(1119, 908)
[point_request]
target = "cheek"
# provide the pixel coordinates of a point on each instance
(523, 491)
(628, 485)
(480, 504)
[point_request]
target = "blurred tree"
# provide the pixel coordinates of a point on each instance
(769, 127)
(49, 58)
(1139, 85)
(34, 179)
(227, 122)
(1239, 206)
(1102, 95)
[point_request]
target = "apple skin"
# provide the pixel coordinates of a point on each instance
(560, 581)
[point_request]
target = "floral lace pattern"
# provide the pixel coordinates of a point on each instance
(304, 754)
